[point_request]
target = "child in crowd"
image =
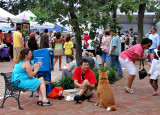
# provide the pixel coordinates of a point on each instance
(68, 48)
(92, 56)
(154, 72)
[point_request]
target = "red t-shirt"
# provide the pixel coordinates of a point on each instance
(86, 38)
(89, 75)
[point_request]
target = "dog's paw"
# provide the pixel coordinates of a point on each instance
(96, 104)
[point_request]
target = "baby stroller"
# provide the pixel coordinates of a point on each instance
(4, 54)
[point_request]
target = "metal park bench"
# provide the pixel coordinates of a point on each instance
(12, 89)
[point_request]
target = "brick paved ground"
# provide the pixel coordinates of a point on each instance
(140, 103)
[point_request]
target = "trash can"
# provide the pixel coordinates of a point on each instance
(45, 58)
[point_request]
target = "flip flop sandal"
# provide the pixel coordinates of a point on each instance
(154, 94)
(46, 103)
(129, 90)
(39, 102)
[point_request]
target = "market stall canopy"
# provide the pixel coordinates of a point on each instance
(58, 28)
(8, 17)
(7, 29)
(35, 25)
(26, 16)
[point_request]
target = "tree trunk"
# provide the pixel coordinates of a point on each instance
(77, 37)
(114, 19)
(140, 22)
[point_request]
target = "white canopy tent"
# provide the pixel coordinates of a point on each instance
(8, 17)
(26, 16)
(29, 16)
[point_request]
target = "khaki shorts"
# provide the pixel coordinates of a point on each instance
(16, 50)
(88, 92)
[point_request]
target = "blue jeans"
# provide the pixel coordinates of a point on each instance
(105, 56)
(150, 51)
(115, 59)
(67, 59)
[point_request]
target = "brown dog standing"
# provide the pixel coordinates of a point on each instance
(105, 96)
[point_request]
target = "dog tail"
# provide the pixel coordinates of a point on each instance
(112, 108)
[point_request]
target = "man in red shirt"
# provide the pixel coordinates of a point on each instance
(86, 38)
(84, 79)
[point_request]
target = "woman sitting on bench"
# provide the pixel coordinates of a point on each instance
(23, 71)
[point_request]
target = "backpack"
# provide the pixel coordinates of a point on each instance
(55, 92)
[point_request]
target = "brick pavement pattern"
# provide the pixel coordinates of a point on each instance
(140, 103)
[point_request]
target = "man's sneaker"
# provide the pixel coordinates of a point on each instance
(76, 99)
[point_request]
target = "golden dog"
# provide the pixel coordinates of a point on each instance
(105, 96)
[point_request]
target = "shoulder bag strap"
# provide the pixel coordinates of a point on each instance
(140, 64)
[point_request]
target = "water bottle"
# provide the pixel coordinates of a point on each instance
(60, 96)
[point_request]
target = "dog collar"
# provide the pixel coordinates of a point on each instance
(103, 79)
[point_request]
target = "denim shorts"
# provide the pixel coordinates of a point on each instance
(105, 56)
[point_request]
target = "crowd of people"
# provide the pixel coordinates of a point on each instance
(112, 49)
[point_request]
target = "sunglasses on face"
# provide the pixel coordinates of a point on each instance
(82, 77)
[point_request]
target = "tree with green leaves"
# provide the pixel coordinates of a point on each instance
(16, 6)
(3, 4)
(154, 6)
(131, 6)
(80, 14)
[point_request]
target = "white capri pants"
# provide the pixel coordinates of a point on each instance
(129, 66)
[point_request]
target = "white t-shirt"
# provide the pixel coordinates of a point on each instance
(89, 45)
(155, 69)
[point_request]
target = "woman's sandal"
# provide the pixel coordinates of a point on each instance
(128, 90)
(39, 102)
(46, 103)
(154, 94)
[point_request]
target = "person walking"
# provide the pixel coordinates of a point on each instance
(32, 43)
(115, 50)
(58, 50)
(17, 43)
(68, 48)
(155, 39)
(9, 41)
(44, 42)
(38, 38)
(105, 46)
(1, 37)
